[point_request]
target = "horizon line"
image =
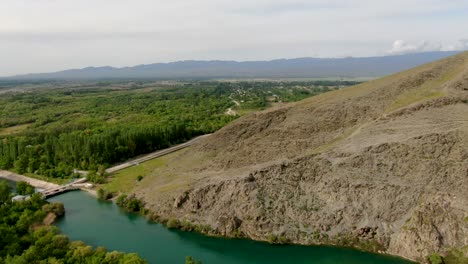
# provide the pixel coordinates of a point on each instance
(231, 61)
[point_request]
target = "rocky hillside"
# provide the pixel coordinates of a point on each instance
(382, 166)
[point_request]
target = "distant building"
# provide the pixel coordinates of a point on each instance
(20, 198)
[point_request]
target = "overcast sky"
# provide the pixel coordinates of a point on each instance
(51, 35)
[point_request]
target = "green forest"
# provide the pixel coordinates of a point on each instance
(52, 129)
(26, 239)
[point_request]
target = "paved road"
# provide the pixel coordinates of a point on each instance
(48, 186)
(154, 155)
(34, 182)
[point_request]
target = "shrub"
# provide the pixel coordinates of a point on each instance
(95, 177)
(134, 205)
(190, 260)
(237, 233)
(173, 223)
(272, 239)
(186, 226)
(103, 194)
(24, 188)
(283, 240)
(56, 208)
(455, 256)
(435, 258)
(121, 200)
(131, 204)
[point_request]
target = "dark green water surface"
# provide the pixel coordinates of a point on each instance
(12, 185)
(103, 224)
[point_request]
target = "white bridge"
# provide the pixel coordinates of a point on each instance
(78, 184)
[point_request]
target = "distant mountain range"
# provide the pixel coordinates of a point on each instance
(282, 68)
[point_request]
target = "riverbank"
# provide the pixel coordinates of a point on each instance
(343, 241)
(91, 192)
(8, 175)
(158, 244)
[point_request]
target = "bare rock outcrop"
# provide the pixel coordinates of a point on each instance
(381, 166)
(436, 225)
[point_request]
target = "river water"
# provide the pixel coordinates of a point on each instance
(100, 223)
(12, 184)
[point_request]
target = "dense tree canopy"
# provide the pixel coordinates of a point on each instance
(24, 188)
(85, 129)
(50, 132)
(25, 240)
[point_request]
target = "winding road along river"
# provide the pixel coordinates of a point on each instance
(101, 223)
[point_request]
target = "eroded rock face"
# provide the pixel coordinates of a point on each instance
(383, 166)
(179, 201)
(436, 225)
(412, 208)
(226, 225)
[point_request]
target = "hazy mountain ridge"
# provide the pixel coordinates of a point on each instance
(282, 68)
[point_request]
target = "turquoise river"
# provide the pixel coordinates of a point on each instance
(101, 223)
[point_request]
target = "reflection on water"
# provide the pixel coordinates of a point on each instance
(12, 184)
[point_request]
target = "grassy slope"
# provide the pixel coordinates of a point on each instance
(301, 113)
(173, 176)
(126, 180)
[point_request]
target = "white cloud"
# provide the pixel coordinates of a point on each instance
(461, 44)
(404, 47)
(400, 47)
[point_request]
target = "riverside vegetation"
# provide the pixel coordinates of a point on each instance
(26, 235)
